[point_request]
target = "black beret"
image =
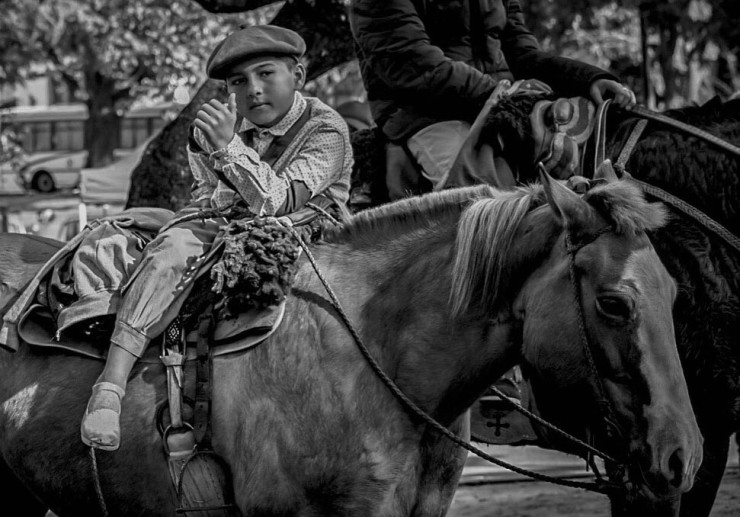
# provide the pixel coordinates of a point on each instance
(249, 42)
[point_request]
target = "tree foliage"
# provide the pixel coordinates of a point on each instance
(108, 53)
(691, 45)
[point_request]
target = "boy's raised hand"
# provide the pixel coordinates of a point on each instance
(217, 121)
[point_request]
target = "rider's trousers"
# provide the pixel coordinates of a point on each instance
(153, 296)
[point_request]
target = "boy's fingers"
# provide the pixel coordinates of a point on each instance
(213, 111)
(206, 117)
(232, 103)
(203, 126)
(216, 104)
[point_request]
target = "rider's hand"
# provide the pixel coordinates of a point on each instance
(217, 121)
(623, 96)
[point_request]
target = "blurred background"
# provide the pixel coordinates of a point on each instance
(96, 95)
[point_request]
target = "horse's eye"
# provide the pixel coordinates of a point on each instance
(615, 307)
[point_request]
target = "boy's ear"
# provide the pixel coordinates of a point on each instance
(299, 72)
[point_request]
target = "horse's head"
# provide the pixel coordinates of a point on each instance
(597, 323)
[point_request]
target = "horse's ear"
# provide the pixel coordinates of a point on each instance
(605, 171)
(567, 205)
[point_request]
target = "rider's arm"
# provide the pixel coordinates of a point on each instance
(201, 167)
(315, 166)
(392, 40)
(525, 58)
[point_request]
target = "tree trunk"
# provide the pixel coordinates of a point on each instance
(163, 177)
(103, 123)
(665, 51)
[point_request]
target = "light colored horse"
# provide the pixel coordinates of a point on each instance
(448, 290)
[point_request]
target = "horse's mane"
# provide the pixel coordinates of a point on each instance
(487, 228)
(484, 237)
(392, 218)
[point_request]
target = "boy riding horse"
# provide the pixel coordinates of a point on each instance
(269, 150)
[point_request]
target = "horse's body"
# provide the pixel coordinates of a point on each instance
(305, 425)
(707, 271)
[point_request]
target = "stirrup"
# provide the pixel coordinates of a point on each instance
(110, 419)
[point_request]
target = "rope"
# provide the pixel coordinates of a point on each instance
(96, 479)
(689, 210)
(686, 128)
(411, 406)
(317, 208)
(624, 155)
(518, 407)
(604, 406)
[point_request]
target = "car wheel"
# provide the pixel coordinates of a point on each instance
(43, 182)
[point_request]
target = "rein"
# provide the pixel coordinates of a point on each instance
(604, 406)
(600, 486)
(686, 128)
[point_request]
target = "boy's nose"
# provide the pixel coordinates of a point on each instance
(255, 89)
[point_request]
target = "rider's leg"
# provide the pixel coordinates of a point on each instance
(436, 147)
(152, 299)
(100, 427)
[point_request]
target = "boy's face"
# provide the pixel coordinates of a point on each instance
(264, 88)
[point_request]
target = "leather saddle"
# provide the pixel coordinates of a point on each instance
(37, 324)
(37, 327)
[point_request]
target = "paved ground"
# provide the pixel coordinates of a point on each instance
(490, 491)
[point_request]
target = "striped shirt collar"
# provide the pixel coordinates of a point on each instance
(290, 118)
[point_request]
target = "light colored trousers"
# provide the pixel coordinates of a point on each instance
(436, 147)
(160, 285)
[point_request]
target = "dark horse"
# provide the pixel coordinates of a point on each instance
(449, 290)
(705, 267)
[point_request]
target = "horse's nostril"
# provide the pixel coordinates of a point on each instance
(676, 467)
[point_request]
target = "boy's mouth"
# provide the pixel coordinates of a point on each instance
(259, 105)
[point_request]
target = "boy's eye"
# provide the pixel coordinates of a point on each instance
(265, 73)
(236, 81)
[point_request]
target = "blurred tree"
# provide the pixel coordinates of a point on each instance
(108, 53)
(691, 46)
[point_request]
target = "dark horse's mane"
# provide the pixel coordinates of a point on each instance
(697, 171)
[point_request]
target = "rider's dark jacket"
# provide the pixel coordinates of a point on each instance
(423, 61)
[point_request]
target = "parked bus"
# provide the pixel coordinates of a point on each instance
(53, 141)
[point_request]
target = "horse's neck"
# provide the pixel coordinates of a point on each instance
(405, 319)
